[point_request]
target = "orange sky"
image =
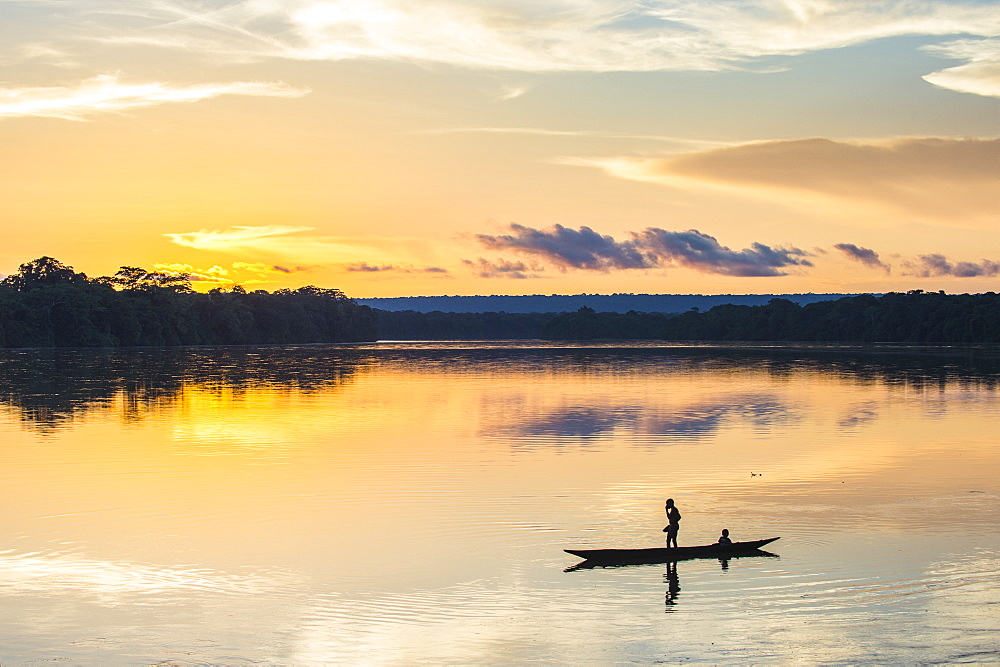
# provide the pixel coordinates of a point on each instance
(449, 147)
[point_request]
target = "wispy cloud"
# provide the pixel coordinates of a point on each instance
(651, 248)
(365, 267)
(501, 268)
(239, 273)
(980, 74)
(265, 269)
(106, 94)
(288, 249)
(928, 176)
(213, 274)
(866, 256)
(682, 143)
(556, 35)
(234, 238)
(512, 92)
(935, 265)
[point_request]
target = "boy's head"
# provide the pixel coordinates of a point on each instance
(725, 532)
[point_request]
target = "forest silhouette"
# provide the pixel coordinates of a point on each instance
(912, 317)
(48, 304)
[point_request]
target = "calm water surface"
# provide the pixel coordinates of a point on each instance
(403, 503)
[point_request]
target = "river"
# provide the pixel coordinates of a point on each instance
(399, 503)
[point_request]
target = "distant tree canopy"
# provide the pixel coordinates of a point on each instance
(42, 272)
(436, 325)
(913, 317)
(46, 303)
(587, 324)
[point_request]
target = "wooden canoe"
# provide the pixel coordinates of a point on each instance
(663, 555)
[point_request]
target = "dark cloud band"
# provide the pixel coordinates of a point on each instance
(651, 248)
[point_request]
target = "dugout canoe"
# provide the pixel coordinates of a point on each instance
(664, 555)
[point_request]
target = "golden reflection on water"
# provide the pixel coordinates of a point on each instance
(366, 496)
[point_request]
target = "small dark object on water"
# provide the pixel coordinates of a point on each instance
(661, 555)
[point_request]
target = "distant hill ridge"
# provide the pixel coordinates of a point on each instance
(564, 303)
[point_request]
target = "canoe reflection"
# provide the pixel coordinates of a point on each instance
(724, 562)
(670, 577)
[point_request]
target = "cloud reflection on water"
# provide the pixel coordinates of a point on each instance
(46, 573)
(668, 423)
(52, 389)
(859, 415)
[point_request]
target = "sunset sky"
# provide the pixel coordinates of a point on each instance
(393, 147)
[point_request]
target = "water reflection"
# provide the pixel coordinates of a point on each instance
(408, 504)
(671, 576)
(577, 422)
(682, 422)
(859, 414)
(759, 410)
(50, 389)
(673, 585)
(24, 573)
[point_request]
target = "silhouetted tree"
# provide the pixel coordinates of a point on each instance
(134, 278)
(48, 304)
(41, 272)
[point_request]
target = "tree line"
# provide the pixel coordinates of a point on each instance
(912, 317)
(565, 303)
(437, 325)
(48, 304)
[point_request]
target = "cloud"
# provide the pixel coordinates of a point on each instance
(937, 177)
(931, 265)
(368, 268)
(512, 92)
(866, 256)
(236, 237)
(682, 143)
(244, 273)
(701, 252)
(980, 75)
(501, 268)
(651, 248)
(291, 248)
(934, 264)
(265, 269)
(570, 248)
(213, 274)
(105, 94)
(365, 267)
(546, 36)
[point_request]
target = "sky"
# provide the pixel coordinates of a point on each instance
(395, 148)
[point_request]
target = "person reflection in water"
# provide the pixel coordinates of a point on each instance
(724, 539)
(673, 523)
(673, 583)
